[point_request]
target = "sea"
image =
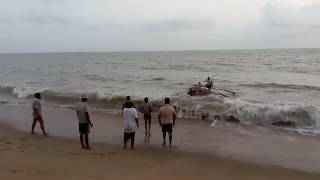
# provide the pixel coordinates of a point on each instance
(270, 85)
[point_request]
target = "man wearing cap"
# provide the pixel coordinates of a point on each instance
(84, 121)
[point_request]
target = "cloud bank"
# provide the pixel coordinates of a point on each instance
(143, 25)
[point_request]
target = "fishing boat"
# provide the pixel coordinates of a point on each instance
(198, 90)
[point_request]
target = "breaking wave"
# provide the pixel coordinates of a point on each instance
(96, 99)
(20, 92)
(267, 113)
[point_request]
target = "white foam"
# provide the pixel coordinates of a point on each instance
(25, 92)
(265, 113)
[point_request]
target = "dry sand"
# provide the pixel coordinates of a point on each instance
(36, 157)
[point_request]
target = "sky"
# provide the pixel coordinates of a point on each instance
(157, 25)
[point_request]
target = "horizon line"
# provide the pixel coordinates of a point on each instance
(146, 51)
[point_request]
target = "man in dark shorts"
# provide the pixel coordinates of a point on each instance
(130, 123)
(167, 118)
(84, 121)
(37, 114)
(146, 109)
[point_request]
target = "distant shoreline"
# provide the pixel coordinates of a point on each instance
(151, 51)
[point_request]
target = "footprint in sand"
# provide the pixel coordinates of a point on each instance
(113, 152)
(73, 153)
(24, 144)
(99, 154)
(22, 147)
(16, 171)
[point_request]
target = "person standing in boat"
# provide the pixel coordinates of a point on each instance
(209, 83)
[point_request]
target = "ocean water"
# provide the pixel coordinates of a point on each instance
(270, 85)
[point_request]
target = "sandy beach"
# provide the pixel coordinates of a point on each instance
(36, 157)
(206, 154)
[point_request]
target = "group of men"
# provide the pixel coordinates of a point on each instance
(166, 117)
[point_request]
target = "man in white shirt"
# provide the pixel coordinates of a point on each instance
(84, 121)
(130, 124)
(37, 114)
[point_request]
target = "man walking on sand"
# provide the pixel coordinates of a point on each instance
(146, 109)
(131, 123)
(167, 118)
(37, 114)
(84, 121)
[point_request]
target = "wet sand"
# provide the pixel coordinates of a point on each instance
(195, 143)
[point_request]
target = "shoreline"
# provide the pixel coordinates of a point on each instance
(247, 144)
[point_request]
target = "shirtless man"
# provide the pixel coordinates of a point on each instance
(167, 118)
(146, 109)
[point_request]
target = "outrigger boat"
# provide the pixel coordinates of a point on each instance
(197, 90)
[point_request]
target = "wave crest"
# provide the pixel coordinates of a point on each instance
(266, 113)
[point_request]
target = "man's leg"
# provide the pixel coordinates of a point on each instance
(42, 128)
(33, 125)
(81, 141)
(86, 136)
(125, 140)
(146, 126)
(149, 127)
(170, 139)
(132, 140)
(164, 138)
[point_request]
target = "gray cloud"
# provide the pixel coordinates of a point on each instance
(182, 24)
(286, 15)
(113, 25)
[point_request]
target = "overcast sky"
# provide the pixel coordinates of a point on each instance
(147, 25)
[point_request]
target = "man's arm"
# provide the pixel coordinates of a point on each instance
(140, 109)
(174, 116)
(159, 118)
(137, 121)
(136, 118)
(88, 118)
